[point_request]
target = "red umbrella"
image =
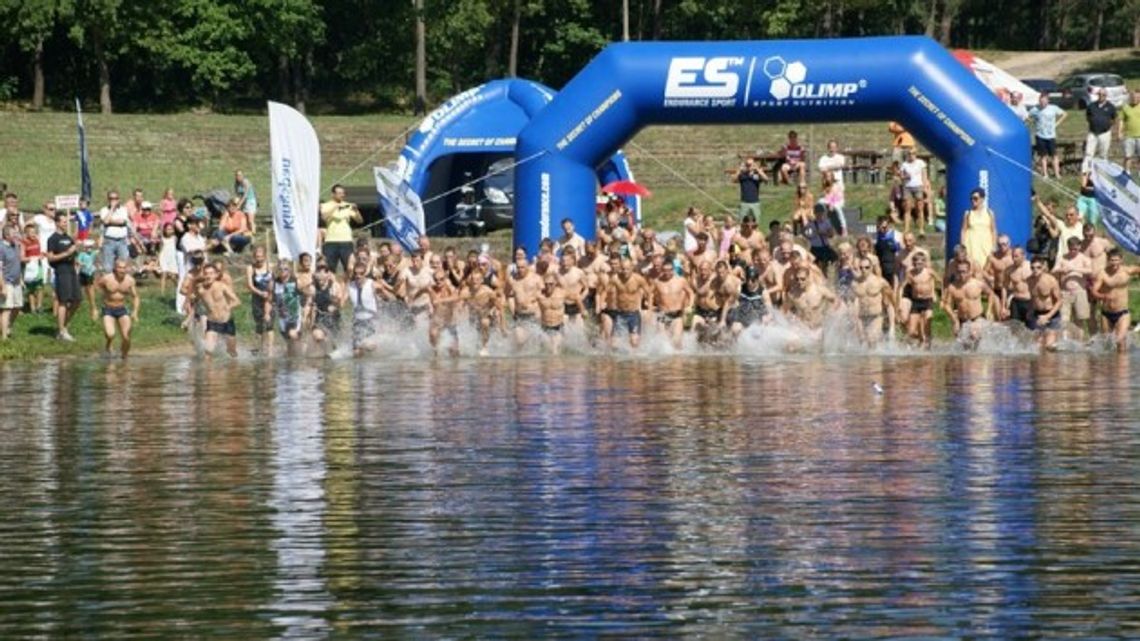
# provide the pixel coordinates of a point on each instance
(626, 188)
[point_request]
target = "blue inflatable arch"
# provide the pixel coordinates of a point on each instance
(910, 79)
(462, 137)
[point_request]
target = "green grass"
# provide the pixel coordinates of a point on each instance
(194, 152)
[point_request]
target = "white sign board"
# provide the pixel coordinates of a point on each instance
(70, 201)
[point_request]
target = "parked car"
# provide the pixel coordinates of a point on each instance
(1057, 96)
(1084, 86)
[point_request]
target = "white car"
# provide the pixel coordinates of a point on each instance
(1083, 88)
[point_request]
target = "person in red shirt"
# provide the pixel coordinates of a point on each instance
(793, 158)
(35, 269)
(146, 223)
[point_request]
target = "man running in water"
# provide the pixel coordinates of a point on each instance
(362, 293)
(328, 298)
(671, 297)
(630, 293)
(963, 302)
(1074, 270)
(220, 302)
(1019, 302)
(1046, 292)
(807, 300)
(572, 282)
(1111, 289)
(552, 308)
(754, 305)
(115, 287)
(259, 282)
(287, 299)
(872, 294)
(522, 298)
(444, 304)
(921, 287)
(482, 303)
(995, 269)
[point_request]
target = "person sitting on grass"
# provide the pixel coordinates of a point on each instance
(232, 234)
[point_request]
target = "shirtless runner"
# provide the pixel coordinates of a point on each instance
(873, 295)
(444, 301)
(920, 287)
(1046, 292)
(220, 301)
(807, 300)
(552, 308)
(963, 302)
(482, 302)
(1074, 270)
(572, 281)
(672, 296)
(630, 292)
(115, 287)
(1018, 304)
(1111, 289)
(522, 297)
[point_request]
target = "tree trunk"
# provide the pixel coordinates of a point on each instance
(625, 20)
(301, 74)
(513, 62)
(284, 86)
(828, 25)
(1098, 25)
(949, 12)
(1045, 19)
(38, 75)
(1136, 33)
(104, 72)
(657, 20)
(421, 58)
(931, 18)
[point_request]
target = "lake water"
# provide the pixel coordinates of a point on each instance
(718, 497)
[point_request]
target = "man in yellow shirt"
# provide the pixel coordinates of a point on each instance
(1130, 132)
(338, 216)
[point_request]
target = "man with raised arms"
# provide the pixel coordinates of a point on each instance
(873, 294)
(1111, 289)
(963, 302)
(921, 287)
(630, 294)
(572, 283)
(1074, 271)
(552, 307)
(115, 288)
(671, 297)
(806, 299)
(1046, 292)
(1018, 304)
(220, 301)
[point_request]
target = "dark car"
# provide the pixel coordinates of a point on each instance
(1058, 96)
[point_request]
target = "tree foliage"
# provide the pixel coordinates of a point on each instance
(232, 54)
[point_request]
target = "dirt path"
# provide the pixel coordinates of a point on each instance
(1053, 64)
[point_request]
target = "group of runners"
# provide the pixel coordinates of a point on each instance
(638, 285)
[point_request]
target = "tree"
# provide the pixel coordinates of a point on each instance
(30, 23)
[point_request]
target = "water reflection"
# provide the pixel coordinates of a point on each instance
(972, 496)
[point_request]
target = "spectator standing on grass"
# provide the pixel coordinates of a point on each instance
(61, 250)
(1100, 114)
(116, 231)
(338, 217)
(12, 213)
(247, 199)
(11, 279)
(1046, 118)
(84, 219)
(45, 223)
(1018, 107)
(1130, 133)
(750, 176)
(979, 231)
(916, 190)
(167, 207)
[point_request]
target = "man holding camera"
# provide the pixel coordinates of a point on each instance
(338, 216)
(750, 176)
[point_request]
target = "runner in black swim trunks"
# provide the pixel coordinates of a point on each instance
(1111, 289)
(552, 308)
(672, 296)
(923, 293)
(116, 286)
(631, 293)
(220, 301)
